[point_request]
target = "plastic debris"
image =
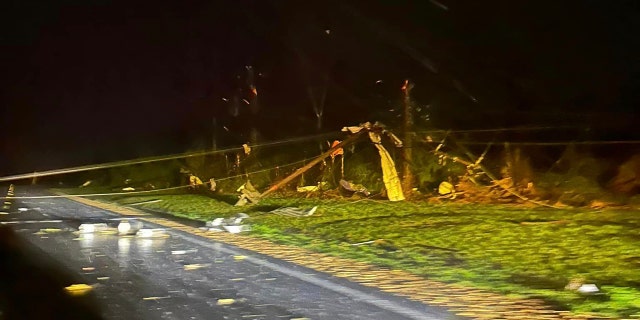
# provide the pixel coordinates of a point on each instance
(128, 189)
(152, 233)
(50, 230)
(312, 188)
(93, 227)
(78, 289)
(225, 302)
(129, 227)
(294, 212)
(236, 229)
(446, 188)
(588, 288)
(231, 224)
(189, 267)
(180, 252)
(217, 222)
(308, 188)
(354, 188)
(155, 298)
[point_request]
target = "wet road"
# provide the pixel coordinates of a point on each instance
(184, 276)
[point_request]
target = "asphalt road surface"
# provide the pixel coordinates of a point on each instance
(175, 276)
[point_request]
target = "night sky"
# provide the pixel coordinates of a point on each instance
(96, 80)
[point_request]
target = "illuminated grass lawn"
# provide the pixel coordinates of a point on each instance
(527, 252)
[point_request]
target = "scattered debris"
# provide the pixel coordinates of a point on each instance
(248, 194)
(588, 288)
(194, 181)
(239, 258)
(575, 283)
(129, 227)
(354, 188)
(48, 230)
(365, 242)
(23, 209)
(93, 227)
(86, 184)
(144, 202)
(155, 298)
(78, 289)
(189, 267)
(446, 188)
(181, 252)
(294, 212)
(246, 149)
(152, 233)
(128, 189)
(232, 224)
(236, 229)
(225, 302)
(237, 219)
(312, 188)
(215, 225)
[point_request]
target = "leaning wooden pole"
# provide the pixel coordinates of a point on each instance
(407, 128)
(315, 161)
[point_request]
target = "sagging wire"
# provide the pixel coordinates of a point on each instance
(157, 159)
(129, 193)
(557, 143)
(501, 129)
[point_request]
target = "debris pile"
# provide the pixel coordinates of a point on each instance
(232, 225)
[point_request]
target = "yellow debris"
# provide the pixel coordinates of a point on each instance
(78, 289)
(239, 258)
(225, 302)
(196, 266)
(154, 298)
(446, 188)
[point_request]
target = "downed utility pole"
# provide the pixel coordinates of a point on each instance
(315, 161)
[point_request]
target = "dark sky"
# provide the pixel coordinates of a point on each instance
(97, 80)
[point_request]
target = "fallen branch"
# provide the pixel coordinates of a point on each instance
(476, 163)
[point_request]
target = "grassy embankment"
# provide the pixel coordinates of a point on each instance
(521, 251)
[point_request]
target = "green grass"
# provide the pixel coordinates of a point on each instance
(481, 246)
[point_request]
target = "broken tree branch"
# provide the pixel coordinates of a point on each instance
(495, 180)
